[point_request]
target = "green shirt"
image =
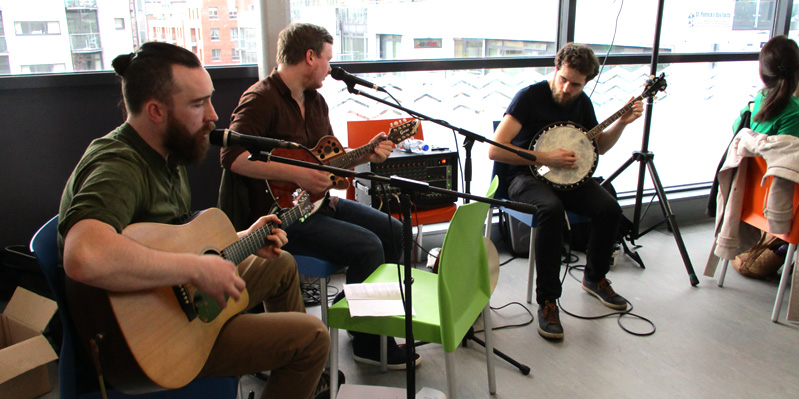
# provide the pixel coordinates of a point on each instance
(121, 180)
(787, 122)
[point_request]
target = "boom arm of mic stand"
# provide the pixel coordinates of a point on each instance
(466, 133)
(396, 181)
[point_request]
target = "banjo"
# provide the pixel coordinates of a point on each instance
(571, 136)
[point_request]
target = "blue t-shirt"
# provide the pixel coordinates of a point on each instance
(535, 109)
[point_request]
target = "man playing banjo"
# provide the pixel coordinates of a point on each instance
(528, 118)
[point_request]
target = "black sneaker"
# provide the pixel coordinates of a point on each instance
(366, 349)
(322, 390)
(549, 321)
(604, 292)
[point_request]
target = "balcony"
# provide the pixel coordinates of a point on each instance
(85, 42)
(77, 4)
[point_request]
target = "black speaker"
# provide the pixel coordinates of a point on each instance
(438, 169)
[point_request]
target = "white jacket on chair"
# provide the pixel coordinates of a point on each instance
(781, 154)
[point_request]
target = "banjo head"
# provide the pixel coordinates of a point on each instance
(570, 137)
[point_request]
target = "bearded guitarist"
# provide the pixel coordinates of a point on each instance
(534, 109)
(286, 105)
(136, 176)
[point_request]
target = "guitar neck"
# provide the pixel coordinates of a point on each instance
(346, 160)
(602, 126)
(247, 245)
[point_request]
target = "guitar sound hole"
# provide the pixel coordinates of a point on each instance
(206, 308)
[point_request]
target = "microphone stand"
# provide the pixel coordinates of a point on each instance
(408, 188)
(468, 141)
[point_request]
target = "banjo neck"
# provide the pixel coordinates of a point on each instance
(602, 126)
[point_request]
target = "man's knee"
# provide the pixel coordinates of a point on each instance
(285, 265)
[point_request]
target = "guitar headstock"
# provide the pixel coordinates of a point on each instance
(654, 85)
(302, 202)
(403, 130)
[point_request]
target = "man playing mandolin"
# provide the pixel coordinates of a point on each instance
(532, 110)
(286, 105)
(137, 174)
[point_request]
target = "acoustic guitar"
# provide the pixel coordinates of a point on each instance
(329, 151)
(161, 338)
(571, 136)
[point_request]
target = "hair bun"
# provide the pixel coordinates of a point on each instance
(122, 62)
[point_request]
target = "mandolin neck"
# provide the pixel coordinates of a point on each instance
(349, 158)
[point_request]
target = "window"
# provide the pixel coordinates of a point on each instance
(5, 67)
(84, 33)
(426, 43)
(468, 48)
(119, 23)
(518, 48)
(43, 68)
(233, 13)
(214, 33)
(352, 23)
(37, 28)
(389, 46)
(3, 47)
(235, 54)
(216, 54)
(213, 13)
(234, 33)
(87, 61)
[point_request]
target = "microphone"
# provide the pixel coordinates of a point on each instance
(229, 138)
(340, 74)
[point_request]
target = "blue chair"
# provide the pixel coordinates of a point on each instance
(528, 219)
(322, 269)
(73, 379)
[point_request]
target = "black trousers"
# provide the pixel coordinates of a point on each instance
(590, 200)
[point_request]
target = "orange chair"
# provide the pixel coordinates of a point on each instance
(358, 134)
(752, 213)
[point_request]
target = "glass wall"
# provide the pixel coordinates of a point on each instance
(461, 61)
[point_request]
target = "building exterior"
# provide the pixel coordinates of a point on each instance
(67, 35)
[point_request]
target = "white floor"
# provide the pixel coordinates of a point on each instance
(710, 342)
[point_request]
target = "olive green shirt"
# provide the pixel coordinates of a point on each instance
(121, 180)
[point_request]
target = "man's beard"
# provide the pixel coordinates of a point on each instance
(561, 98)
(184, 147)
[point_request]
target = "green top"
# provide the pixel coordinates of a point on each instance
(787, 122)
(121, 180)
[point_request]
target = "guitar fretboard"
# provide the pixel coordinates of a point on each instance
(250, 243)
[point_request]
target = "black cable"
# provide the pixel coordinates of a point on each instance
(620, 314)
(613, 40)
(532, 318)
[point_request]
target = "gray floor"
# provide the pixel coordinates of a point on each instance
(710, 342)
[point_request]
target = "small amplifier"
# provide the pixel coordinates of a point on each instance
(438, 169)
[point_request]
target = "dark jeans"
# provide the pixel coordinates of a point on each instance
(352, 234)
(589, 199)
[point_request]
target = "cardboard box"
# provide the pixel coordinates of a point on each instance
(24, 351)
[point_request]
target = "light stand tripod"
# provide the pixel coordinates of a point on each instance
(646, 159)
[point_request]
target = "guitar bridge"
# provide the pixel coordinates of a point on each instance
(182, 295)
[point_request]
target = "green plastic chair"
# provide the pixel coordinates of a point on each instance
(446, 304)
